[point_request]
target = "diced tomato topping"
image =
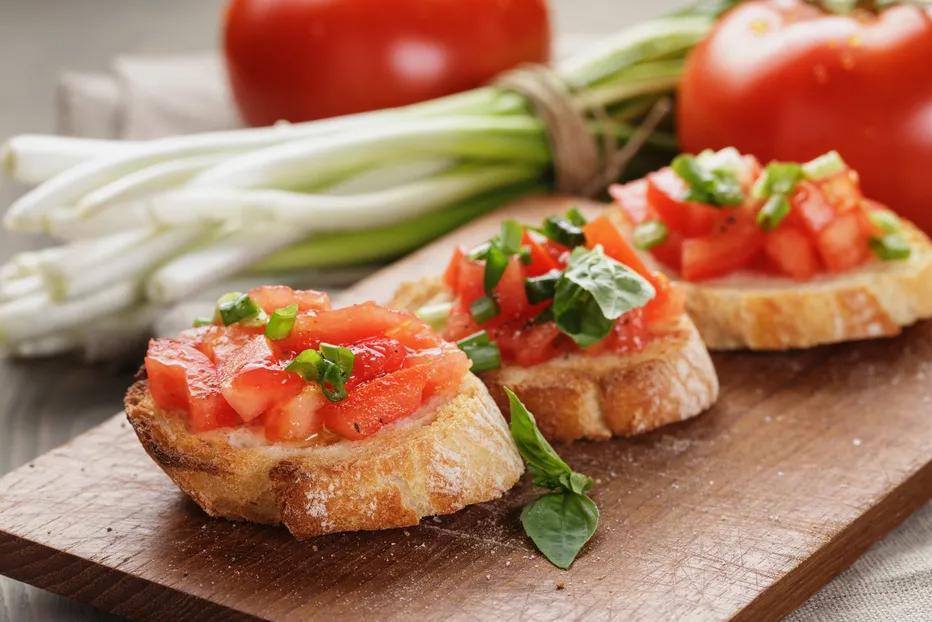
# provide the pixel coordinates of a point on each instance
(632, 198)
(297, 418)
(843, 244)
(810, 209)
(230, 375)
(603, 231)
(722, 252)
(542, 261)
(841, 190)
(272, 297)
(792, 252)
(377, 403)
(452, 273)
(666, 192)
(532, 344)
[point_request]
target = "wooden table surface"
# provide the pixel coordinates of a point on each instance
(44, 403)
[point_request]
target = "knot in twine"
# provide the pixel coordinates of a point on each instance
(583, 162)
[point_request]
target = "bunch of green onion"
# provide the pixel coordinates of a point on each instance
(142, 225)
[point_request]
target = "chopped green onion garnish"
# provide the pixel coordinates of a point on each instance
(543, 287)
(774, 211)
(525, 255)
(891, 247)
(562, 231)
(510, 238)
(435, 314)
(281, 322)
(885, 220)
(705, 184)
(483, 309)
(649, 234)
(340, 356)
(825, 165)
(202, 321)
(236, 307)
(479, 252)
(496, 261)
(330, 367)
(778, 178)
(484, 354)
(575, 217)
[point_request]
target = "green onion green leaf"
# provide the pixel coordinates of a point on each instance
(891, 247)
(713, 185)
(483, 353)
(435, 315)
(543, 287)
(562, 231)
(885, 220)
(483, 309)
(281, 322)
(559, 523)
(342, 357)
(510, 237)
(237, 307)
(525, 255)
(773, 212)
(496, 261)
(825, 165)
(307, 365)
(649, 234)
(593, 292)
(202, 321)
(478, 253)
(330, 367)
(575, 217)
(778, 178)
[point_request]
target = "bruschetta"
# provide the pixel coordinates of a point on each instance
(568, 317)
(790, 255)
(281, 410)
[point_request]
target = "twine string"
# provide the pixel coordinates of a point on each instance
(583, 162)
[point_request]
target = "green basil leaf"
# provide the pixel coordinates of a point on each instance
(594, 291)
(281, 322)
(542, 460)
(560, 524)
(717, 186)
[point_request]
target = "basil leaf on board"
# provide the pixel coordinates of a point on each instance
(542, 461)
(593, 292)
(560, 524)
(717, 186)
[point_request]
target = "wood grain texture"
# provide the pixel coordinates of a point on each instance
(743, 512)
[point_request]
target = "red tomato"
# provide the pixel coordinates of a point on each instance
(843, 243)
(182, 377)
(724, 251)
(785, 80)
(307, 59)
(541, 260)
(253, 380)
(603, 231)
(792, 252)
(376, 357)
(452, 274)
(632, 197)
(665, 192)
(809, 208)
(376, 403)
(346, 325)
(272, 297)
(531, 345)
(298, 418)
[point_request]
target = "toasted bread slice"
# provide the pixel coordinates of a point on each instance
(447, 456)
(596, 397)
(769, 313)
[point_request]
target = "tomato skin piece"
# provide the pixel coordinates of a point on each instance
(300, 59)
(843, 243)
(721, 252)
(272, 297)
(541, 260)
(603, 231)
(665, 192)
(375, 404)
(807, 81)
(792, 252)
(452, 273)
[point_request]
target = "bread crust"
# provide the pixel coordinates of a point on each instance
(596, 397)
(763, 313)
(437, 462)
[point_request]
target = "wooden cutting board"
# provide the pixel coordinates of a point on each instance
(743, 512)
